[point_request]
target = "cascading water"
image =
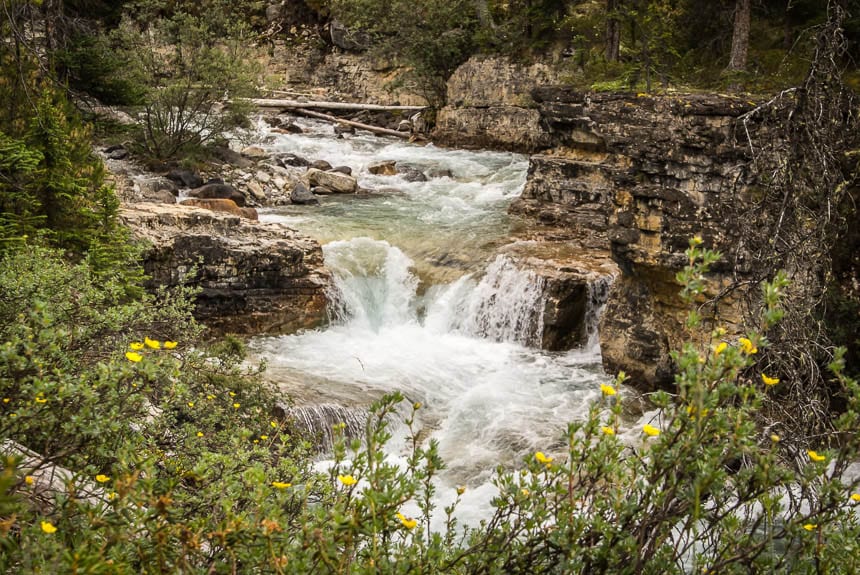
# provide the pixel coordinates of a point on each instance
(423, 305)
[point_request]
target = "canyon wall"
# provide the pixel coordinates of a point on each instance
(640, 175)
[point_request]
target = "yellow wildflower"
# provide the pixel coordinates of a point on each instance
(524, 491)
(769, 380)
(210, 396)
(721, 347)
(347, 480)
(811, 526)
(237, 405)
(542, 458)
(199, 434)
(273, 424)
(747, 346)
(281, 485)
(41, 399)
(133, 357)
(153, 343)
(6, 400)
(607, 430)
(650, 430)
(136, 345)
(407, 522)
(774, 437)
(607, 389)
(416, 405)
(264, 437)
(855, 497)
(29, 480)
(462, 489)
(815, 456)
(48, 527)
(232, 394)
(696, 241)
(170, 344)
(101, 478)
(190, 404)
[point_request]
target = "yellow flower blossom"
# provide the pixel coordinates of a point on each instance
(6, 400)
(273, 425)
(607, 389)
(190, 404)
(721, 347)
(264, 437)
(29, 480)
(136, 345)
(152, 343)
(462, 489)
(170, 344)
(747, 346)
(696, 241)
(769, 380)
(237, 405)
(416, 405)
(407, 522)
(607, 430)
(210, 396)
(41, 399)
(524, 491)
(815, 456)
(810, 526)
(48, 527)
(133, 357)
(281, 485)
(542, 458)
(347, 480)
(199, 434)
(774, 437)
(650, 430)
(101, 478)
(232, 394)
(855, 497)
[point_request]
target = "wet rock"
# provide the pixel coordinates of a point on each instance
(342, 170)
(412, 175)
(231, 157)
(341, 129)
(404, 126)
(257, 191)
(322, 191)
(154, 189)
(223, 206)
(385, 168)
(285, 160)
(160, 197)
(219, 192)
(185, 178)
(117, 152)
(263, 177)
(301, 195)
(440, 173)
(337, 182)
(254, 277)
(320, 165)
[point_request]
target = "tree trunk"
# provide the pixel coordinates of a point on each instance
(613, 30)
(740, 37)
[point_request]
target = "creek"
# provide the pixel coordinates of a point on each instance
(429, 302)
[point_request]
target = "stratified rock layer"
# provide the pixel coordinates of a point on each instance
(641, 175)
(254, 277)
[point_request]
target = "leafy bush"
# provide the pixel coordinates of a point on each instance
(179, 466)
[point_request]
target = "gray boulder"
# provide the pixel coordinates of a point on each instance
(185, 178)
(301, 195)
(320, 165)
(219, 192)
(337, 182)
(342, 170)
(412, 175)
(386, 168)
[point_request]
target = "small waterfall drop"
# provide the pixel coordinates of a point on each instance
(598, 293)
(318, 421)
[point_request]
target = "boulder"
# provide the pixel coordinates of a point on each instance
(341, 129)
(412, 175)
(263, 177)
(185, 178)
(231, 157)
(440, 173)
(337, 182)
(342, 170)
(253, 277)
(320, 165)
(255, 152)
(156, 189)
(218, 192)
(257, 191)
(301, 195)
(223, 206)
(322, 191)
(118, 153)
(160, 197)
(384, 168)
(285, 160)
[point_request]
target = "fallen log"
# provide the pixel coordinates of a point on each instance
(359, 125)
(290, 104)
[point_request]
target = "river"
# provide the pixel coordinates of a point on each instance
(428, 303)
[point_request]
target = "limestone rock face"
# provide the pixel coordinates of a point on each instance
(490, 106)
(641, 175)
(255, 277)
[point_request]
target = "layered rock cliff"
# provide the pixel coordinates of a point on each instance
(253, 277)
(640, 175)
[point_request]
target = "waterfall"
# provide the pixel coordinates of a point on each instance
(318, 421)
(598, 293)
(506, 305)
